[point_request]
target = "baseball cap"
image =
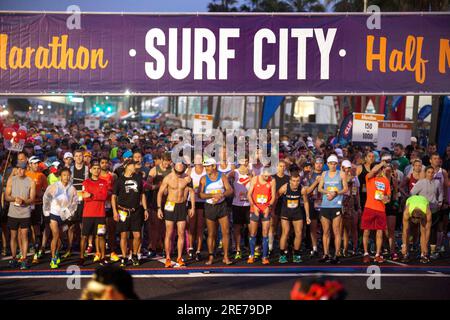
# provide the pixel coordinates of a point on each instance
(68, 155)
(148, 158)
(386, 157)
(414, 139)
(209, 162)
(127, 154)
(332, 158)
(34, 159)
(21, 165)
(307, 164)
(339, 152)
(319, 160)
(310, 144)
(346, 164)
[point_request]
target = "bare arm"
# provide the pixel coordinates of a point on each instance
(8, 191)
(321, 183)
(344, 184)
(32, 195)
(161, 191)
(228, 189)
(250, 191)
(273, 191)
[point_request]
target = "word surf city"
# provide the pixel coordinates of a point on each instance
(200, 53)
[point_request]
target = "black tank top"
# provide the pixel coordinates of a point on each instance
(362, 179)
(78, 177)
(279, 182)
(292, 199)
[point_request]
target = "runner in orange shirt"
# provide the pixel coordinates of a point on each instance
(374, 215)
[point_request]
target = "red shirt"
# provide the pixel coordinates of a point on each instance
(94, 207)
(109, 180)
(262, 194)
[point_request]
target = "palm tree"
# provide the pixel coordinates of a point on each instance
(223, 6)
(306, 5)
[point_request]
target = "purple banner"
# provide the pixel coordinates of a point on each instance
(224, 54)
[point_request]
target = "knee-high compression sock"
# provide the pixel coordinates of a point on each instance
(265, 243)
(252, 246)
(270, 242)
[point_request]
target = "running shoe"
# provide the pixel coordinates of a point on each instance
(191, 254)
(313, 254)
(97, 257)
(283, 259)
(180, 263)
(80, 262)
(13, 263)
(40, 254)
(151, 254)
(19, 256)
(114, 257)
(53, 264)
(198, 256)
(123, 263)
(251, 260)
(139, 256)
(89, 249)
(324, 259)
(135, 261)
(220, 246)
(379, 259)
(35, 259)
(265, 260)
(435, 256)
(238, 255)
(168, 263)
(405, 259)
(442, 249)
(58, 257)
(366, 258)
(23, 265)
(335, 260)
(297, 258)
(104, 262)
(394, 257)
(424, 259)
(67, 254)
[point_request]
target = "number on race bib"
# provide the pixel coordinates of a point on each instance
(170, 206)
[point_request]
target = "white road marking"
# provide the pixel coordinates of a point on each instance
(227, 275)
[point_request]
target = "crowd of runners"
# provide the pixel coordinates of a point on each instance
(116, 195)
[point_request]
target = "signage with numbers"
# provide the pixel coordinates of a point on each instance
(203, 123)
(14, 146)
(92, 123)
(393, 132)
(365, 128)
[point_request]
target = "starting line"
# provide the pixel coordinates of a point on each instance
(242, 271)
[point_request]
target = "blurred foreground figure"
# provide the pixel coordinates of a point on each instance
(109, 283)
(318, 289)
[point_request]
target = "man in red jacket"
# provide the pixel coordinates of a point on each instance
(95, 194)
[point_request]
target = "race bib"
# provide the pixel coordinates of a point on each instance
(123, 215)
(379, 195)
(243, 196)
(354, 190)
(261, 199)
(170, 206)
(80, 196)
(101, 229)
(292, 204)
(216, 191)
(196, 188)
(332, 189)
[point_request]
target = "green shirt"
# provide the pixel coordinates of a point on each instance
(403, 163)
(417, 202)
(51, 179)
